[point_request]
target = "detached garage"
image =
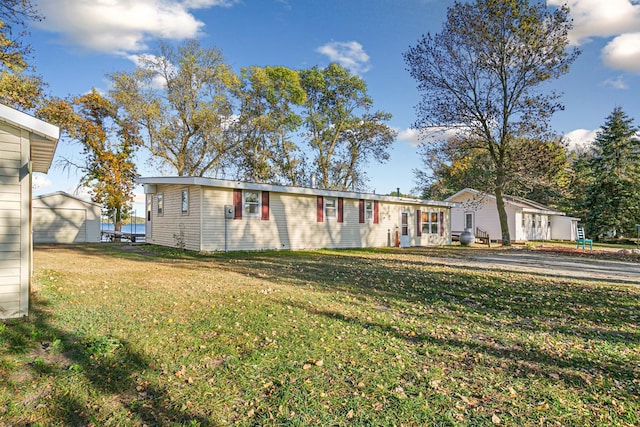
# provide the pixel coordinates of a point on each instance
(62, 218)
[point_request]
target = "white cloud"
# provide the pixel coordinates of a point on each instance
(122, 26)
(617, 19)
(415, 137)
(616, 83)
(350, 55)
(623, 53)
(598, 18)
(40, 182)
(580, 138)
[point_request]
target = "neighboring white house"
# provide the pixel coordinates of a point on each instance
(528, 220)
(208, 215)
(27, 145)
(62, 218)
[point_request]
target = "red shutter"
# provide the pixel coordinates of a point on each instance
(237, 203)
(320, 209)
(265, 205)
(376, 217)
(442, 223)
(361, 210)
(340, 209)
(419, 223)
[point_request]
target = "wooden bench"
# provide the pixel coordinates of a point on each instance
(581, 240)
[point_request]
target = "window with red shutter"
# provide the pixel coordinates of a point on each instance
(340, 209)
(320, 209)
(419, 222)
(361, 211)
(237, 204)
(265, 205)
(376, 212)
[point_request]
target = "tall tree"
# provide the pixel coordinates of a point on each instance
(539, 170)
(483, 73)
(266, 125)
(108, 140)
(182, 99)
(18, 87)
(613, 198)
(342, 129)
(13, 17)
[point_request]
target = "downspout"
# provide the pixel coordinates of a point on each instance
(201, 217)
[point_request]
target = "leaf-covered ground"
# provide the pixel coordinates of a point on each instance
(314, 338)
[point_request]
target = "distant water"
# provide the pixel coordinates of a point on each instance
(127, 228)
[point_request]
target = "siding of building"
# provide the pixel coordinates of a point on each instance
(292, 223)
(538, 224)
(15, 186)
(62, 218)
(172, 227)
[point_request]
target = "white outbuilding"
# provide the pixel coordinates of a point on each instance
(527, 219)
(27, 145)
(62, 218)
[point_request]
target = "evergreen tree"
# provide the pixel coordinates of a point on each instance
(613, 198)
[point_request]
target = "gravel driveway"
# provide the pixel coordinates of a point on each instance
(548, 264)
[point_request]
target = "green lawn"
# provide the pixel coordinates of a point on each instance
(372, 337)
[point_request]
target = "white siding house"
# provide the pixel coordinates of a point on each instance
(62, 218)
(26, 145)
(528, 220)
(208, 215)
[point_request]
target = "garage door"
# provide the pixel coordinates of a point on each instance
(59, 225)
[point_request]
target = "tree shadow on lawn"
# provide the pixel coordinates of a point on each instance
(515, 360)
(560, 304)
(108, 366)
(497, 293)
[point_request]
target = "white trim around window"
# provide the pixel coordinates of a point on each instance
(330, 208)
(251, 203)
(160, 203)
(368, 210)
(184, 201)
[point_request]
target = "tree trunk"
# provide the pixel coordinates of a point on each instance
(117, 225)
(502, 212)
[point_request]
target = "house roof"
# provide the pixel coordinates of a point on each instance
(516, 202)
(65, 194)
(43, 136)
(223, 183)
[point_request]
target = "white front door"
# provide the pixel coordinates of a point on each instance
(405, 229)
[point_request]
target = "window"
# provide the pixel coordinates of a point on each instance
(523, 221)
(405, 224)
(430, 222)
(251, 202)
(330, 207)
(160, 201)
(368, 210)
(468, 220)
(185, 201)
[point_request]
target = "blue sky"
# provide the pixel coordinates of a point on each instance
(81, 41)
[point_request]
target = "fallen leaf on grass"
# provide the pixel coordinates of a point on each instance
(495, 419)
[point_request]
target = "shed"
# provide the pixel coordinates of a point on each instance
(27, 145)
(528, 220)
(208, 215)
(62, 218)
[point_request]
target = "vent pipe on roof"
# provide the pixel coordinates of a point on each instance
(398, 191)
(313, 180)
